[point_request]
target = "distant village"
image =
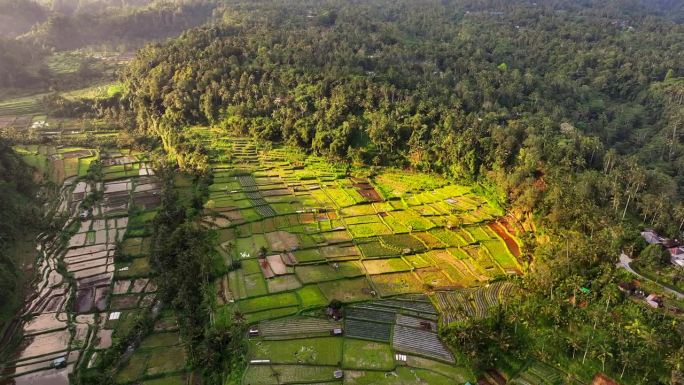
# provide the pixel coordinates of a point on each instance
(674, 246)
(676, 251)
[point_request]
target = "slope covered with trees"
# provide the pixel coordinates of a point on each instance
(16, 211)
(119, 25)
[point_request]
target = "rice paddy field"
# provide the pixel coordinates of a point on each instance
(403, 259)
(105, 283)
(24, 117)
(397, 249)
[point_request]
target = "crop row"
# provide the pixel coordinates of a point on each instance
(471, 302)
(299, 325)
(367, 330)
(423, 342)
(417, 306)
(362, 313)
(265, 210)
(246, 181)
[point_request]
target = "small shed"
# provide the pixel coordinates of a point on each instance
(654, 301)
(626, 287)
(260, 362)
(114, 315)
(253, 331)
(336, 332)
(58, 363)
(338, 374)
(602, 379)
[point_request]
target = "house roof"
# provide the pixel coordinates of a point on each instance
(651, 237)
(602, 379)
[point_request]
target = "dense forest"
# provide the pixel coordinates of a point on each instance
(18, 16)
(568, 113)
(16, 210)
(126, 25)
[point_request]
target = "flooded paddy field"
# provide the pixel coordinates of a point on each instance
(84, 298)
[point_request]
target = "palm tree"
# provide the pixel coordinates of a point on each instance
(676, 362)
(611, 294)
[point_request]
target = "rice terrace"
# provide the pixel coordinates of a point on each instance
(402, 251)
(343, 275)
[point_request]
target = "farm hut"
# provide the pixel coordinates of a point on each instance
(336, 332)
(58, 363)
(654, 301)
(651, 237)
(334, 313)
(253, 331)
(400, 357)
(260, 362)
(626, 287)
(425, 325)
(602, 379)
(338, 374)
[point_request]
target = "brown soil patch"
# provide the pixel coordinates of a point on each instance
(276, 192)
(370, 194)
(289, 259)
(266, 268)
(277, 265)
(510, 242)
(76, 154)
(282, 240)
(121, 287)
(123, 302)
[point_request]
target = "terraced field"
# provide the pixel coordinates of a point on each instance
(307, 232)
(89, 295)
(474, 302)
(303, 233)
(538, 373)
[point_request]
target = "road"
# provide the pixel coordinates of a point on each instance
(624, 263)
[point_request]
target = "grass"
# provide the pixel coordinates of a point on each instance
(311, 296)
(460, 374)
(368, 230)
(138, 267)
(360, 354)
(255, 285)
(283, 283)
(167, 360)
(317, 273)
(270, 374)
(347, 290)
(309, 351)
(271, 314)
(251, 245)
(160, 340)
(395, 183)
(379, 266)
(168, 380)
(272, 301)
(132, 369)
(397, 283)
